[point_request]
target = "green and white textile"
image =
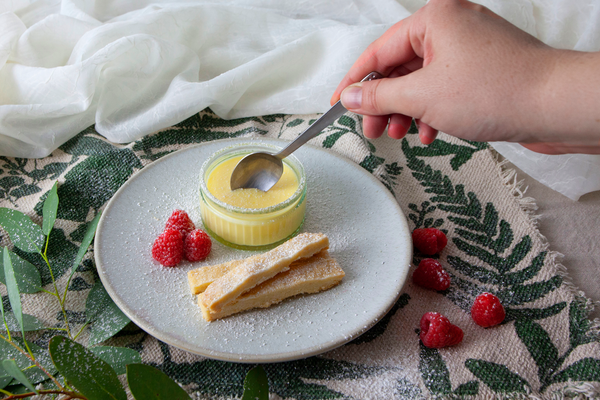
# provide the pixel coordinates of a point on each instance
(546, 348)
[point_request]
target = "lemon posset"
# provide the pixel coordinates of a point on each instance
(249, 218)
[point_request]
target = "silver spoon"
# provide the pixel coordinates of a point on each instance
(263, 170)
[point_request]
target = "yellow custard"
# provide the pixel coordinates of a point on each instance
(218, 185)
(248, 218)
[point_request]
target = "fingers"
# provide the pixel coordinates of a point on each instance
(402, 95)
(427, 134)
(374, 126)
(399, 126)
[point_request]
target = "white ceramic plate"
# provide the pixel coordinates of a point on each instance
(368, 236)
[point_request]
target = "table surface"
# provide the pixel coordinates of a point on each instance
(572, 228)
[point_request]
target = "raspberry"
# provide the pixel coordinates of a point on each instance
(429, 241)
(181, 221)
(437, 331)
(168, 248)
(431, 275)
(197, 245)
(487, 310)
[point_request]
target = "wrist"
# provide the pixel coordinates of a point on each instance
(570, 99)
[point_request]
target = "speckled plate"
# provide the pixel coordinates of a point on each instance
(368, 235)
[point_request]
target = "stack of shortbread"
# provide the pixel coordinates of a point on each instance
(299, 266)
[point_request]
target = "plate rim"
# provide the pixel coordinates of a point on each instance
(250, 358)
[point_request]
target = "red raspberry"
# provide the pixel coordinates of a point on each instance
(197, 245)
(168, 248)
(181, 221)
(431, 275)
(437, 331)
(429, 241)
(487, 310)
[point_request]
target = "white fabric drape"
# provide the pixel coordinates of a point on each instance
(135, 66)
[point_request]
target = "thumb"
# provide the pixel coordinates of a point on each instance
(385, 96)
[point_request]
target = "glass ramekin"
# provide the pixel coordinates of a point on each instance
(252, 228)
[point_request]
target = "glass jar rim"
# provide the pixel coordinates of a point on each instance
(246, 148)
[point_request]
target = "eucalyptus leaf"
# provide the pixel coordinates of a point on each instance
(34, 374)
(11, 368)
(85, 244)
(30, 323)
(117, 357)
(93, 377)
(256, 385)
(49, 210)
(23, 233)
(28, 277)
(146, 382)
(107, 318)
(497, 376)
(5, 379)
(14, 296)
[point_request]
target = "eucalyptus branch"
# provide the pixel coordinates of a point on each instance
(71, 395)
(31, 357)
(81, 330)
(58, 296)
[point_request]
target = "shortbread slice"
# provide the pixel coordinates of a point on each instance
(200, 278)
(257, 269)
(311, 275)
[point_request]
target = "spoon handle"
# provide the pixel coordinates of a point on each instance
(323, 122)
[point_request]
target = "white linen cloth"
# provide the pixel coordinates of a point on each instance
(135, 66)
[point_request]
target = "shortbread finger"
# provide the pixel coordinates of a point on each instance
(200, 278)
(257, 269)
(311, 275)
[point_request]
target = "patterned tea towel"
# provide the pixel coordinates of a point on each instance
(546, 348)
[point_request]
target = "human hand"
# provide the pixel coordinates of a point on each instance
(457, 67)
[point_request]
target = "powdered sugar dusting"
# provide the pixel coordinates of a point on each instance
(368, 236)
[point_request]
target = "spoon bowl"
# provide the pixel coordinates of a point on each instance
(257, 170)
(262, 170)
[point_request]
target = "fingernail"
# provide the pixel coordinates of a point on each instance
(352, 97)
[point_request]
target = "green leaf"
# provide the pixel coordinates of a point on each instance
(25, 190)
(333, 138)
(14, 296)
(107, 318)
(526, 273)
(11, 368)
(34, 374)
(49, 210)
(27, 276)
(24, 234)
(295, 122)
(533, 313)
(586, 369)
(94, 378)
(256, 385)
(579, 324)
(85, 244)
(347, 122)
(146, 382)
(4, 379)
(481, 274)
(117, 357)
(497, 376)
(30, 323)
(539, 345)
(434, 371)
(521, 294)
(470, 388)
